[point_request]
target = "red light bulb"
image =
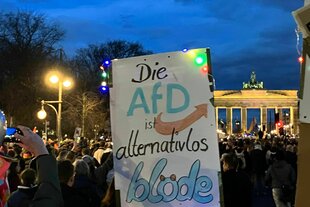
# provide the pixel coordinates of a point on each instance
(205, 69)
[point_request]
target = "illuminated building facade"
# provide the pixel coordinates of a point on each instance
(253, 108)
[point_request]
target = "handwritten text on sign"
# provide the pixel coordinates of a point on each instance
(160, 162)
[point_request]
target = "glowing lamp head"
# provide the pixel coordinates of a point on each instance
(67, 83)
(300, 59)
(41, 114)
(54, 79)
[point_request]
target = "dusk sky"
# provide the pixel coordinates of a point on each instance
(243, 36)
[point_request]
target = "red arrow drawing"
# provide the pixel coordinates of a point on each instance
(166, 128)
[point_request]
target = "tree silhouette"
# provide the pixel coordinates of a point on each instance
(87, 61)
(27, 47)
(85, 66)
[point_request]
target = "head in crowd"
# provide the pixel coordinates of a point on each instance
(257, 146)
(28, 177)
(102, 144)
(230, 161)
(85, 151)
(280, 155)
(105, 157)
(89, 160)
(66, 172)
(290, 148)
(81, 168)
(62, 154)
(70, 156)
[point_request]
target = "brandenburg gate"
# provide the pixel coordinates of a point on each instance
(254, 96)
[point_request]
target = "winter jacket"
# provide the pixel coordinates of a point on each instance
(22, 196)
(280, 173)
(48, 193)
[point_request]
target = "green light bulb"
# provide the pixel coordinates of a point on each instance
(200, 59)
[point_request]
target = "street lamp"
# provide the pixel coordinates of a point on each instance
(42, 113)
(60, 81)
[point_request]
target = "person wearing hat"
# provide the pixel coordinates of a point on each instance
(48, 193)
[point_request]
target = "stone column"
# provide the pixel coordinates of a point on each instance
(263, 114)
(279, 110)
(244, 118)
(295, 118)
(228, 120)
(280, 113)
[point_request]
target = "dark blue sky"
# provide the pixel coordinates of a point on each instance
(243, 35)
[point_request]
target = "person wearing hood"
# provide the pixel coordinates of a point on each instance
(282, 178)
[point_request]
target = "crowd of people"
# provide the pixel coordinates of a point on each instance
(37, 172)
(253, 166)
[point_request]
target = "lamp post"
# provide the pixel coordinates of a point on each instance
(55, 77)
(42, 115)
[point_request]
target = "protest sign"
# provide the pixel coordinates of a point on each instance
(165, 146)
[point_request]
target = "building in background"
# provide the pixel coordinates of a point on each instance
(255, 109)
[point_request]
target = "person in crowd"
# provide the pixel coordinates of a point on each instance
(70, 195)
(282, 178)
(86, 151)
(91, 162)
(243, 157)
(291, 156)
(103, 174)
(70, 156)
(270, 154)
(99, 152)
(48, 193)
(18, 151)
(62, 155)
(258, 161)
(13, 176)
(84, 185)
(236, 184)
(27, 157)
(23, 196)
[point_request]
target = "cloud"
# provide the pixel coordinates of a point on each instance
(243, 35)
